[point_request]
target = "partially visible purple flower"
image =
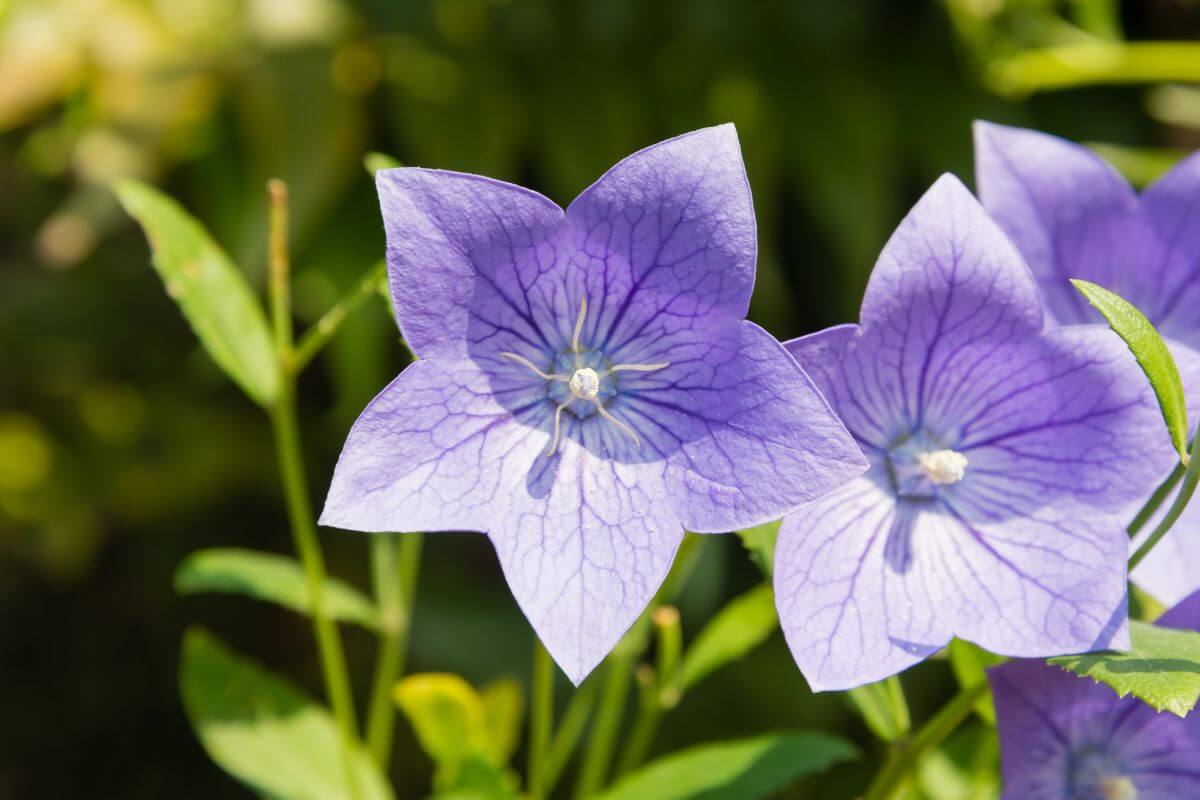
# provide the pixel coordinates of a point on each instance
(1063, 737)
(1071, 215)
(587, 385)
(1000, 455)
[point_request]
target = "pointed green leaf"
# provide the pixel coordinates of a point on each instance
(749, 769)
(1151, 354)
(760, 542)
(1162, 668)
(883, 708)
(211, 292)
(274, 578)
(738, 628)
(264, 731)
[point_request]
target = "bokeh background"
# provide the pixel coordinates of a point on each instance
(123, 448)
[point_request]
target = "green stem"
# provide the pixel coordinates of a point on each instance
(286, 430)
(568, 733)
(541, 719)
(905, 755)
(598, 756)
(645, 724)
(1190, 478)
(1156, 500)
(1090, 63)
(659, 688)
(603, 739)
(317, 336)
(395, 561)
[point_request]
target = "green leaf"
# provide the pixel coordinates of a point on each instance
(760, 542)
(503, 709)
(1162, 668)
(373, 162)
(266, 732)
(274, 578)
(447, 715)
(738, 628)
(212, 293)
(1151, 354)
(969, 662)
(739, 770)
(883, 707)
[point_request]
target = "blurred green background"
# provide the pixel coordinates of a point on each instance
(123, 448)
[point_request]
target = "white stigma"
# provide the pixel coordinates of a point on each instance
(1118, 787)
(585, 383)
(943, 467)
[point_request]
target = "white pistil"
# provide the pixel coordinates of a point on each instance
(585, 383)
(943, 467)
(1118, 787)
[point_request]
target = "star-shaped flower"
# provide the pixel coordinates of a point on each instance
(1000, 455)
(587, 386)
(1071, 215)
(1063, 737)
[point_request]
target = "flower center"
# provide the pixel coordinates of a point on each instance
(1118, 787)
(1092, 772)
(921, 466)
(943, 467)
(584, 383)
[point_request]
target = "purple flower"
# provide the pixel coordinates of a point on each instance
(587, 386)
(999, 454)
(1068, 738)
(1072, 216)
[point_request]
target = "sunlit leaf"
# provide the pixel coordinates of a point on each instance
(214, 296)
(1151, 354)
(969, 662)
(737, 629)
(760, 542)
(274, 578)
(266, 732)
(503, 709)
(749, 769)
(883, 708)
(1162, 668)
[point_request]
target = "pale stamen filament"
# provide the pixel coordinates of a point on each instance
(621, 426)
(557, 426)
(525, 362)
(578, 330)
(634, 368)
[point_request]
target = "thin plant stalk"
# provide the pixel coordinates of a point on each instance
(295, 489)
(541, 719)
(659, 689)
(1156, 500)
(1190, 478)
(395, 562)
(907, 753)
(619, 672)
(598, 755)
(317, 336)
(568, 733)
